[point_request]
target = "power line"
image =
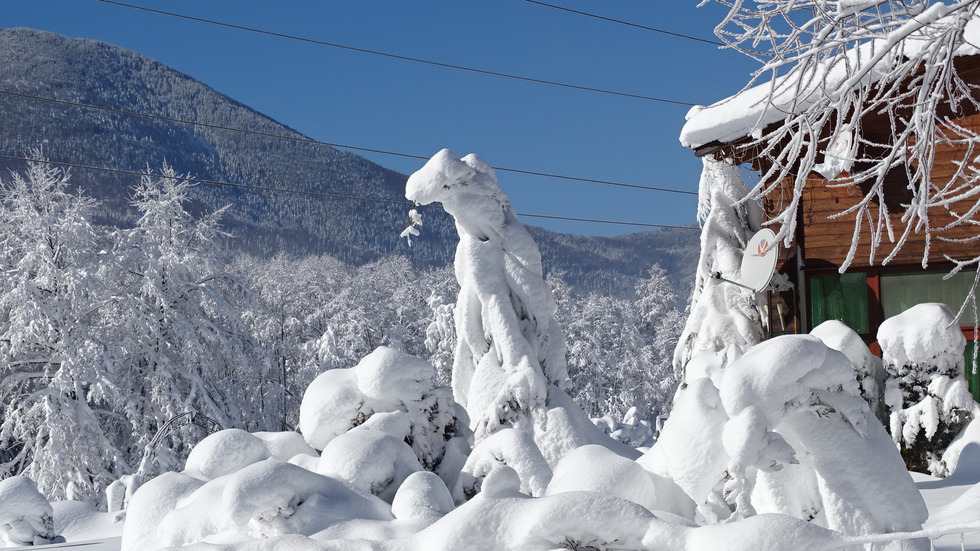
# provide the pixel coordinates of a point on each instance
(303, 139)
(627, 23)
(317, 193)
(395, 56)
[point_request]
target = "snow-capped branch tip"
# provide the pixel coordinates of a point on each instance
(414, 222)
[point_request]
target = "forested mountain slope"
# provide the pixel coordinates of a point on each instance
(77, 70)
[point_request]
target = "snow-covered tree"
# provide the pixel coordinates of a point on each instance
(179, 344)
(619, 349)
(509, 369)
(509, 348)
(54, 377)
(722, 313)
(835, 64)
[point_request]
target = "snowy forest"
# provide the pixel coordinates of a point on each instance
(159, 390)
(108, 334)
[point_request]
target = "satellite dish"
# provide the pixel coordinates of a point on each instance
(759, 260)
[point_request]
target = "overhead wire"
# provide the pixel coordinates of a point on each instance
(315, 193)
(395, 56)
(627, 23)
(303, 139)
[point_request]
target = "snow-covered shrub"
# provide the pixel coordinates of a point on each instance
(928, 398)
(26, 517)
(868, 369)
(390, 392)
(787, 431)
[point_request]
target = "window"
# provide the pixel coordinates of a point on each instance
(901, 291)
(841, 297)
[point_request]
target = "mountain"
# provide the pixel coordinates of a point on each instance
(84, 71)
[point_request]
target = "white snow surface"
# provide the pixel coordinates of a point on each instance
(751, 110)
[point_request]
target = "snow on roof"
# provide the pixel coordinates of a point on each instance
(750, 111)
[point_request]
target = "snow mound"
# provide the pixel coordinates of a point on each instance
(151, 504)
(596, 469)
(867, 367)
(369, 461)
(26, 517)
(263, 500)
(573, 520)
(422, 494)
(331, 406)
(225, 452)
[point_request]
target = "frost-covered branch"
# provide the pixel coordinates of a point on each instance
(878, 80)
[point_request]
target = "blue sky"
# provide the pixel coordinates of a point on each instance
(368, 101)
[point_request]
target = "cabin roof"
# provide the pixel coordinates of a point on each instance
(749, 112)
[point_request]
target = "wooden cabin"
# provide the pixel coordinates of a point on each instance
(868, 292)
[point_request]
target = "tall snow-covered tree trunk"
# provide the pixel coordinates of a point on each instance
(509, 349)
(722, 313)
(509, 370)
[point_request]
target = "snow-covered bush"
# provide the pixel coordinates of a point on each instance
(26, 517)
(786, 431)
(389, 391)
(928, 398)
(867, 367)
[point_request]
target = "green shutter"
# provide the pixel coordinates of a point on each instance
(841, 297)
